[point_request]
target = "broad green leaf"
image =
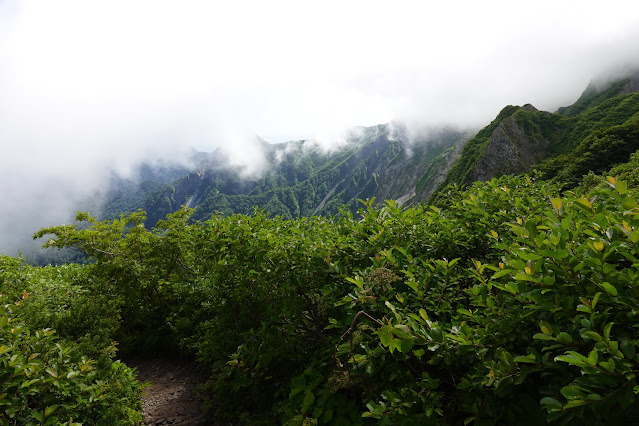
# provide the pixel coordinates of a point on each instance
(406, 345)
(621, 187)
(525, 359)
(607, 329)
(402, 331)
(385, 335)
(582, 202)
(564, 337)
(38, 415)
(573, 360)
(50, 410)
(595, 299)
(395, 344)
(511, 287)
(358, 281)
(501, 273)
(542, 336)
(593, 335)
(309, 399)
(628, 348)
(608, 365)
(423, 314)
(571, 392)
(550, 401)
(556, 203)
(584, 308)
(609, 288)
(575, 403)
(545, 327)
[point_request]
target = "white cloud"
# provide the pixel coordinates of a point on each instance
(91, 85)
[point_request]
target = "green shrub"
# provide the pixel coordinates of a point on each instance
(508, 303)
(43, 380)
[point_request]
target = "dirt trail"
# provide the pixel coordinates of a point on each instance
(170, 400)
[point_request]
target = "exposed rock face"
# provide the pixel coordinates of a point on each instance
(418, 161)
(631, 86)
(438, 170)
(509, 151)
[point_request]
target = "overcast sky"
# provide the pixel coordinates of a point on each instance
(90, 85)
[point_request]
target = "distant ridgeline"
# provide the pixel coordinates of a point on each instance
(301, 179)
(596, 133)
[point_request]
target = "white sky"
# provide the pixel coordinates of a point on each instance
(89, 85)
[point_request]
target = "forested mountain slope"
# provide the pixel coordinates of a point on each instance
(600, 130)
(301, 179)
(126, 195)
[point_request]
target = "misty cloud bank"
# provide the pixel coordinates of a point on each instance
(88, 88)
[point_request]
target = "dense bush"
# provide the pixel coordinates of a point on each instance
(44, 380)
(57, 327)
(509, 303)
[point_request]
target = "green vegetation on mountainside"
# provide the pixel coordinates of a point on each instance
(511, 304)
(599, 132)
(574, 130)
(592, 96)
(302, 180)
(596, 153)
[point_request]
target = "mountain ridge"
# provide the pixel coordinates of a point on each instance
(383, 162)
(304, 180)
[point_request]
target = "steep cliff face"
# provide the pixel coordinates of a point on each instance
(631, 86)
(510, 150)
(404, 178)
(597, 132)
(436, 172)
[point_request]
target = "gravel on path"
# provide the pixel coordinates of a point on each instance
(170, 399)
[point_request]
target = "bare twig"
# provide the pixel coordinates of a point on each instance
(350, 331)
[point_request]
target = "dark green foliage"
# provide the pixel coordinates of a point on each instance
(575, 130)
(507, 304)
(66, 377)
(128, 199)
(628, 171)
(598, 152)
(591, 97)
